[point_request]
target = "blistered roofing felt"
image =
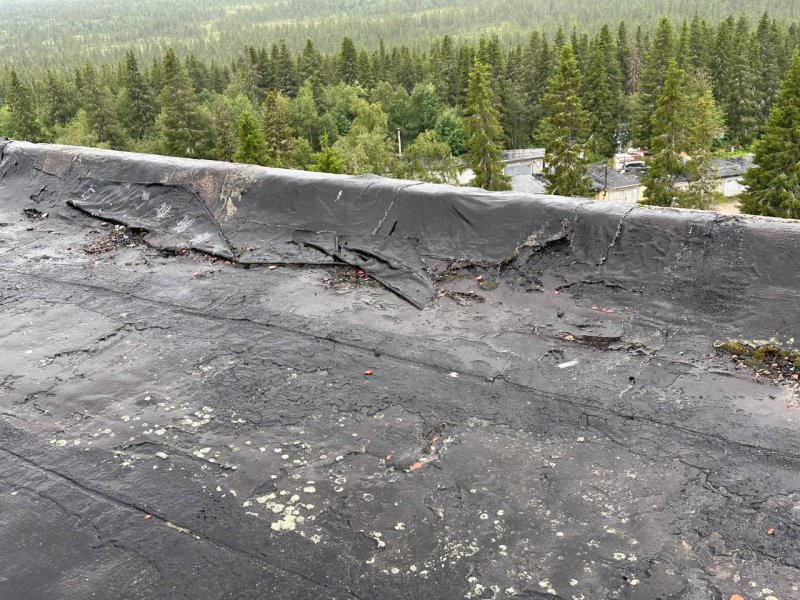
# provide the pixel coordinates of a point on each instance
(220, 381)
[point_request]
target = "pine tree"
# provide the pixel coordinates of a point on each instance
(773, 185)
(26, 126)
(139, 107)
(485, 132)
(565, 130)
(183, 125)
(250, 149)
(670, 139)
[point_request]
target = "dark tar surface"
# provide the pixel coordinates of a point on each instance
(220, 381)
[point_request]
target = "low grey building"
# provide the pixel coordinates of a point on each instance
(529, 161)
(608, 184)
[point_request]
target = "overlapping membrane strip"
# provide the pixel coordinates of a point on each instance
(392, 228)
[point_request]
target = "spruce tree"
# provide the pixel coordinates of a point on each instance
(286, 72)
(138, 102)
(768, 41)
(184, 126)
(348, 57)
(533, 76)
(773, 184)
(700, 42)
(742, 96)
(250, 149)
(565, 130)
(602, 94)
(100, 112)
(485, 133)
(224, 129)
(670, 139)
(652, 79)
(61, 104)
(308, 63)
(26, 126)
(623, 52)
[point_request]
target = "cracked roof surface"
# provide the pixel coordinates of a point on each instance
(555, 425)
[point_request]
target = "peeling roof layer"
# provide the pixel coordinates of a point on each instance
(180, 421)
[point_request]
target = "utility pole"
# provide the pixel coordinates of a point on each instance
(399, 144)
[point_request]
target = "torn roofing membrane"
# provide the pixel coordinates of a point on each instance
(593, 401)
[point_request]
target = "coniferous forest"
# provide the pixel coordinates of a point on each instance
(694, 87)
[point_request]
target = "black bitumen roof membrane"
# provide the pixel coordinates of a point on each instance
(220, 381)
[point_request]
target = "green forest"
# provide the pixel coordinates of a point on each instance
(695, 87)
(37, 34)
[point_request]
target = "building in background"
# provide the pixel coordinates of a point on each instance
(609, 184)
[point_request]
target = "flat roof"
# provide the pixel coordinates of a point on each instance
(184, 415)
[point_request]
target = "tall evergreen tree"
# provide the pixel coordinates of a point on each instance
(565, 130)
(768, 44)
(348, 57)
(740, 99)
(18, 98)
(183, 125)
(224, 130)
(485, 132)
(100, 112)
(670, 139)
(773, 185)
(633, 75)
(61, 105)
(286, 72)
(139, 108)
(699, 59)
(308, 63)
(623, 51)
(652, 80)
(602, 94)
(534, 74)
(250, 149)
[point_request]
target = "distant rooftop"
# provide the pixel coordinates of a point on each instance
(732, 167)
(604, 177)
(522, 154)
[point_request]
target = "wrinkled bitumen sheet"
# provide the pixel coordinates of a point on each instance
(179, 426)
